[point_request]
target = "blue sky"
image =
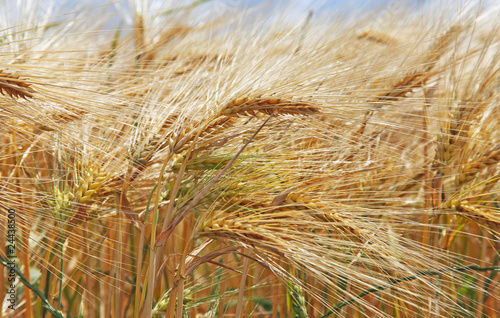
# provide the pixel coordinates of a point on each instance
(298, 5)
(118, 13)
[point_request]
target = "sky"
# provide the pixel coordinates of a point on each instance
(118, 13)
(298, 5)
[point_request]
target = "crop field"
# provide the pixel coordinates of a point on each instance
(196, 159)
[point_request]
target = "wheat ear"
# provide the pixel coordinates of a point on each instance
(89, 184)
(269, 106)
(181, 142)
(489, 218)
(14, 86)
(469, 170)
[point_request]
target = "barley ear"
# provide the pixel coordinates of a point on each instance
(270, 106)
(14, 86)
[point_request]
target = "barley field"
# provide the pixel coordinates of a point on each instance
(218, 158)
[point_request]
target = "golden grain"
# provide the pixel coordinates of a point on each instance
(15, 86)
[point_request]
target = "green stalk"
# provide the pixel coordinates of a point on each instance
(37, 291)
(61, 277)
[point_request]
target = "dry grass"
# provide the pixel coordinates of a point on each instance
(240, 165)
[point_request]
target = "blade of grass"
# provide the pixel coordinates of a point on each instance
(37, 291)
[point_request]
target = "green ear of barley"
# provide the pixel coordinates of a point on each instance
(297, 300)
